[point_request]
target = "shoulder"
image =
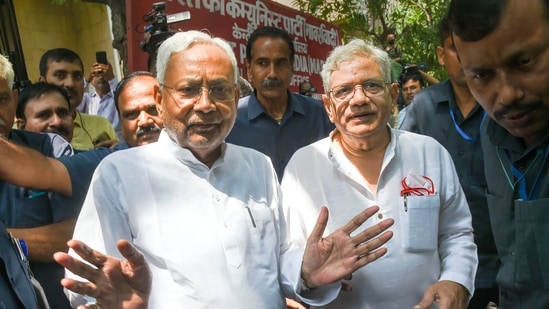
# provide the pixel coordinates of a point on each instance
(245, 101)
(48, 144)
(406, 139)
(316, 149)
(418, 144)
(430, 96)
(95, 119)
(238, 153)
(306, 100)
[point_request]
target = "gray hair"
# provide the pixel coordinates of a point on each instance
(348, 52)
(182, 41)
(6, 70)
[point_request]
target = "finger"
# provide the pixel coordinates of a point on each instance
(132, 255)
(76, 266)
(372, 232)
(371, 256)
(357, 220)
(374, 244)
(426, 301)
(347, 287)
(96, 258)
(83, 288)
(320, 226)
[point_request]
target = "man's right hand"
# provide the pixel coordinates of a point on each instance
(113, 283)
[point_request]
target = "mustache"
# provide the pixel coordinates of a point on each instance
(144, 130)
(516, 107)
(272, 82)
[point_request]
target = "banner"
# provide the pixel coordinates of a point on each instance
(234, 20)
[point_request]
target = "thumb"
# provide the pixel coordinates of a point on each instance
(320, 226)
(426, 301)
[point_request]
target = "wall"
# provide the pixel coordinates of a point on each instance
(82, 27)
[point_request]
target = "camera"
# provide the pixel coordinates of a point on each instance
(158, 18)
(157, 31)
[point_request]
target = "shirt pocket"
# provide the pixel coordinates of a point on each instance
(32, 211)
(254, 232)
(419, 218)
(532, 224)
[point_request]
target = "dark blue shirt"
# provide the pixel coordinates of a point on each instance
(16, 290)
(304, 122)
(430, 114)
(27, 208)
(520, 226)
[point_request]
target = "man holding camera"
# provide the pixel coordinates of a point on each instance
(100, 100)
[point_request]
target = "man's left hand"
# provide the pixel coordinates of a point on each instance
(448, 294)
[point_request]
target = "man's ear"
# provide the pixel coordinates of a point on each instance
(440, 55)
(394, 91)
(328, 107)
(158, 99)
(249, 71)
(41, 79)
(20, 123)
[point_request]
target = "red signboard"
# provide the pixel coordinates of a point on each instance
(234, 20)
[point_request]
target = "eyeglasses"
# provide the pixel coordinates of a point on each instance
(191, 94)
(370, 88)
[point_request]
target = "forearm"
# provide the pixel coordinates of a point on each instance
(428, 78)
(25, 167)
(44, 241)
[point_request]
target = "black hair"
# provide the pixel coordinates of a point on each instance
(411, 74)
(444, 29)
(57, 55)
(34, 91)
(124, 82)
(271, 32)
(472, 20)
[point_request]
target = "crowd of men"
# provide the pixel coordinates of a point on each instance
(180, 192)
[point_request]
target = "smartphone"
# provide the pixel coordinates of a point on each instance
(100, 138)
(101, 57)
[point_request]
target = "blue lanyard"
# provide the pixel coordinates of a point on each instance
(521, 179)
(460, 131)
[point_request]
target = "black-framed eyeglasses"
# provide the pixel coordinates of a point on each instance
(191, 94)
(370, 88)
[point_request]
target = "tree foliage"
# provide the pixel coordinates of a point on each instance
(415, 23)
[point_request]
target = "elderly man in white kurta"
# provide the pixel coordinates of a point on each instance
(431, 258)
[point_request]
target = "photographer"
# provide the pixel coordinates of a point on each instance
(158, 31)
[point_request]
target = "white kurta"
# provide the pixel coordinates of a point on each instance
(432, 240)
(214, 237)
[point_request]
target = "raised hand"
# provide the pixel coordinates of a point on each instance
(113, 283)
(337, 256)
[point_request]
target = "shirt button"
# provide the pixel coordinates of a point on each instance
(379, 216)
(217, 199)
(512, 254)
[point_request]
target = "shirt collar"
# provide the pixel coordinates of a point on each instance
(255, 109)
(184, 155)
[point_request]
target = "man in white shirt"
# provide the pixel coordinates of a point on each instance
(208, 215)
(432, 257)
